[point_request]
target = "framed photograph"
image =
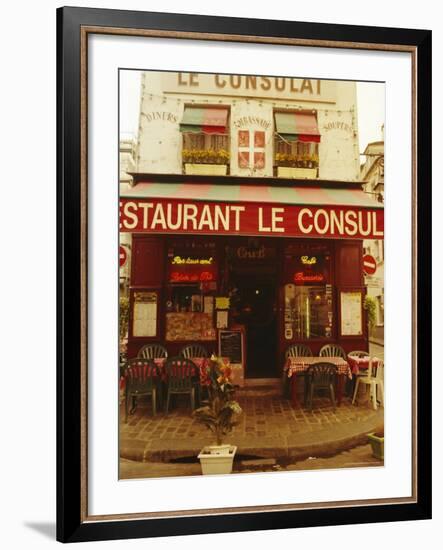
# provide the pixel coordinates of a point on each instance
(243, 309)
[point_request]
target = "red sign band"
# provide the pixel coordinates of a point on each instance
(177, 216)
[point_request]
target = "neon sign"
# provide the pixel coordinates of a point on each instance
(178, 260)
(302, 277)
(177, 277)
(306, 260)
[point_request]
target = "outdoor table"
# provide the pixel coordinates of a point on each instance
(361, 363)
(298, 365)
(200, 362)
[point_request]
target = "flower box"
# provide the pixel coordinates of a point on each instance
(378, 445)
(206, 169)
(217, 459)
(296, 173)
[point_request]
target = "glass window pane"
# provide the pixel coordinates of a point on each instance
(308, 309)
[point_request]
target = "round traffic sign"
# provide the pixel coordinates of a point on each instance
(369, 264)
(123, 256)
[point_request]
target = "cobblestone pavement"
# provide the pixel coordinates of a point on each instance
(270, 427)
(358, 457)
(262, 417)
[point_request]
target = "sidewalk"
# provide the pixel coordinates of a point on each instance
(269, 428)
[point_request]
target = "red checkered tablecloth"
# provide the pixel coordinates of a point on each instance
(200, 362)
(297, 365)
(361, 363)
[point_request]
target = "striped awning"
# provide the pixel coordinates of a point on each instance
(297, 126)
(204, 120)
(310, 196)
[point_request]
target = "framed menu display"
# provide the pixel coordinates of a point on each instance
(145, 314)
(351, 313)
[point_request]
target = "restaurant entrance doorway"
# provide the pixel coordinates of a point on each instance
(258, 314)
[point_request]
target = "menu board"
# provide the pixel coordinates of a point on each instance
(190, 326)
(145, 314)
(351, 314)
(230, 344)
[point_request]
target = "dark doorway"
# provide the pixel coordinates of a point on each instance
(257, 311)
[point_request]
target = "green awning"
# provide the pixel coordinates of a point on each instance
(208, 120)
(293, 126)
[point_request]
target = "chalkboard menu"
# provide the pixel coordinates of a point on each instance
(230, 344)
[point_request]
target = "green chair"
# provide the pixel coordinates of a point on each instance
(152, 351)
(193, 350)
(321, 376)
(141, 378)
(182, 379)
(332, 350)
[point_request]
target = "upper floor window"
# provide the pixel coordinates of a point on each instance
(296, 144)
(206, 146)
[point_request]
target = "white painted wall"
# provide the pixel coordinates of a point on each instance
(160, 141)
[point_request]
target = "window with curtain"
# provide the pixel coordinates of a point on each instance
(296, 141)
(205, 134)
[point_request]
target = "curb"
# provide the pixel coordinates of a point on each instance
(298, 447)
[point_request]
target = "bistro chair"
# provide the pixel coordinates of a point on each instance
(373, 379)
(295, 350)
(141, 379)
(182, 378)
(193, 350)
(362, 372)
(298, 350)
(153, 351)
(321, 376)
(332, 350)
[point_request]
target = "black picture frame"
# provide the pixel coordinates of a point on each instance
(73, 523)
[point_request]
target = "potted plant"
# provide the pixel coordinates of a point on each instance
(218, 415)
(370, 306)
(377, 441)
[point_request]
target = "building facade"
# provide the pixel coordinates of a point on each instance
(372, 174)
(127, 155)
(247, 218)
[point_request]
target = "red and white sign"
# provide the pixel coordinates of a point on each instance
(369, 264)
(251, 149)
(123, 256)
(247, 218)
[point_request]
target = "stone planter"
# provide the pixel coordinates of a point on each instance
(377, 445)
(206, 169)
(296, 173)
(217, 459)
